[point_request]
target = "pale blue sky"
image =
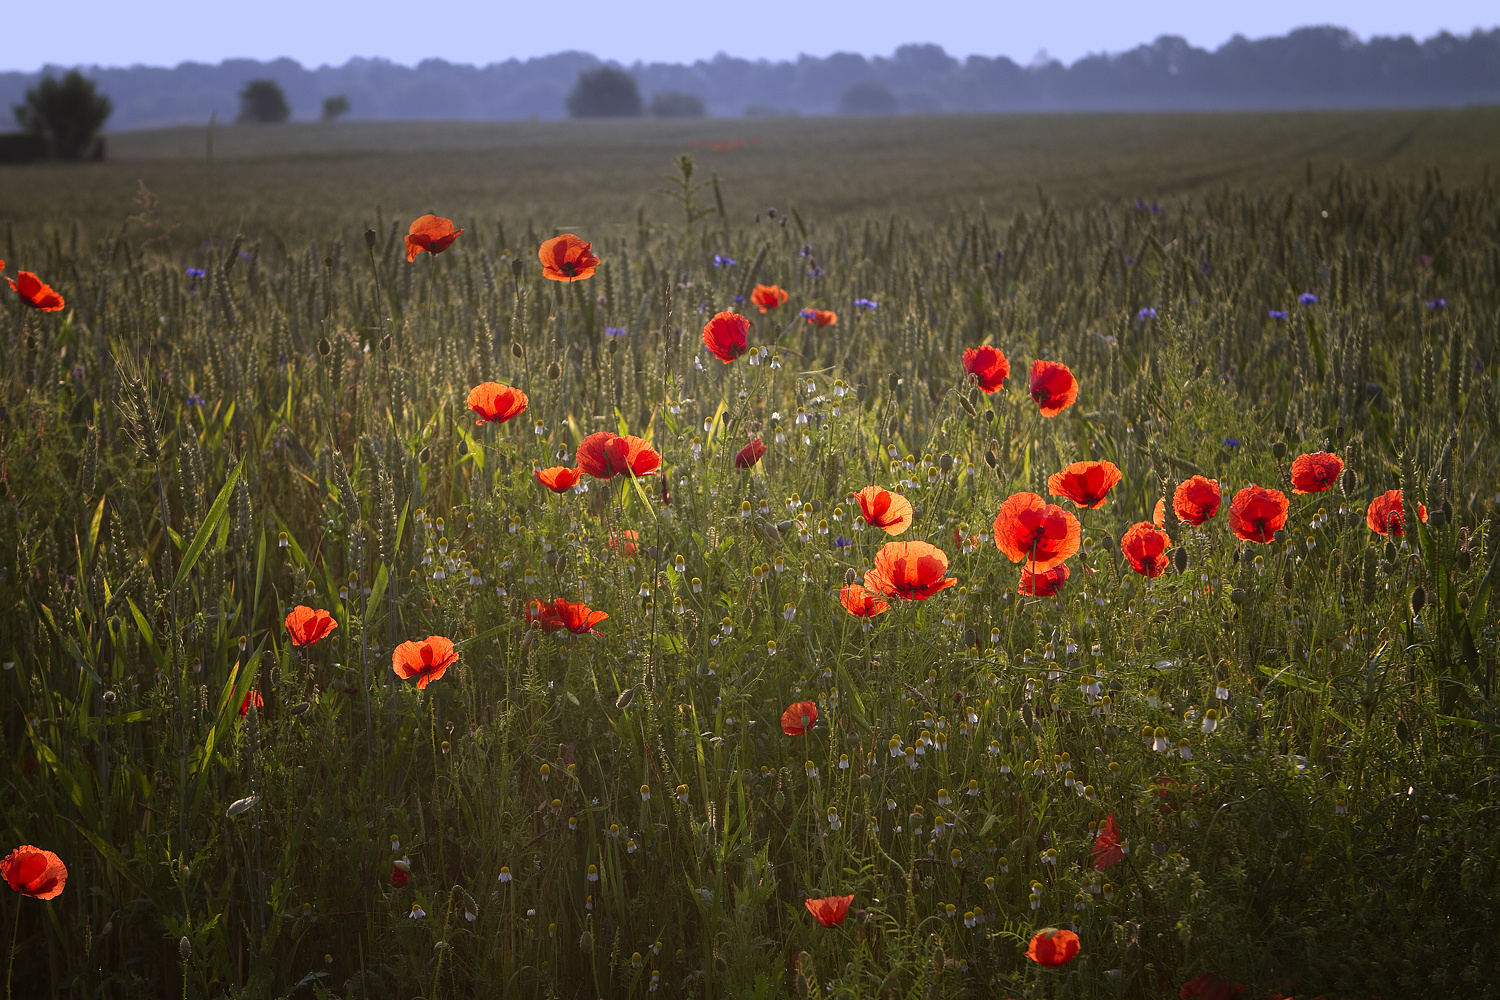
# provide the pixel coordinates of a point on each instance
(165, 32)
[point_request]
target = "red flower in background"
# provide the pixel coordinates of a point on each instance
(400, 874)
(1386, 516)
(427, 660)
(768, 297)
(820, 317)
(493, 401)
(604, 455)
(912, 571)
(1159, 513)
(567, 258)
(989, 367)
(36, 293)
(1316, 472)
(559, 478)
(1256, 513)
(625, 541)
(1087, 484)
(830, 911)
(252, 697)
(1210, 986)
(432, 233)
(890, 512)
(1031, 530)
(1043, 583)
(307, 626)
(561, 614)
(1108, 848)
(725, 335)
(1053, 387)
(861, 603)
(799, 717)
(1196, 500)
(34, 872)
(1145, 547)
(1053, 947)
(748, 456)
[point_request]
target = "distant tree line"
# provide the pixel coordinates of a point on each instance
(1318, 67)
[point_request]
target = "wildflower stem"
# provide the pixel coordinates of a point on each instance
(15, 933)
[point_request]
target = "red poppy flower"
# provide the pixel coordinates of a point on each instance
(1196, 500)
(604, 455)
(427, 661)
(400, 874)
(861, 603)
(561, 614)
(1145, 547)
(768, 297)
(820, 317)
(35, 293)
(567, 258)
(1108, 848)
(624, 541)
(1386, 516)
(830, 911)
(989, 367)
(1159, 513)
(1210, 987)
(1256, 513)
(34, 872)
(559, 478)
(307, 626)
(1053, 387)
(799, 717)
(1316, 472)
(432, 233)
(1087, 484)
(252, 697)
(1043, 583)
(1029, 529)
(1053, 947)
(747, 456)
(724, 335)
(912, 571)
(890, 512)
(493, 401)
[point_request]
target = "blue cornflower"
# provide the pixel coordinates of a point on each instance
(841, 542)
(1146, 313)
(1277, 314)
(815, 272)
(615, 331)
(806, 250)
(195, 272)
(246, 255)
(1130, 262)
(1307, 299)
(196, 400)
(1205, 268)
(1437, 305)
(866, 304)
(739, 299)
(1231, 442)
(721, 261)
(808, 314)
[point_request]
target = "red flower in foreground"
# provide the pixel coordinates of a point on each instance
(561, 614)
(1029, 529)
(400, 874)
(1210, 987)
(768, 297)
(307, 626)
(1316, 472)
(912, 571)
(1087, 484)
(820, 317)
(1053, 387)
(427, 660)
(252, 697)
(493, 401)
(1043, 583)
(799, 717)
(861, 603)
(989, 367)
(34, 872)
(1108, 848)
(748, 456)
(1145, 547)
(890, 512)
(567, 258)
(1386, 516)
(725, 335)
(432, 233)
(1196, 500)
(36, 293)
(559, 478)
(830, 911)
(626, 541)
(1053, 947)
(1256, 513)
(604, 455)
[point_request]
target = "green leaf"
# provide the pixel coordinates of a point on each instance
(216, 513)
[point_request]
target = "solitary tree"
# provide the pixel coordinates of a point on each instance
(335, 107)
(263, 102)
(675, 104)
(67, 114)
(605, 92)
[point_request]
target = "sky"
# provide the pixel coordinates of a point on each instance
(314, 32)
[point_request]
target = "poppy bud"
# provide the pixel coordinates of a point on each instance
(324, 347)
(1418, 600)
(945, 462)
(1464, 560)
(586, 943)
(614, 347)
(1280, 535)
(968, 406)
(554, 371)
(892, 381)
(516, 267)
(1026, 716)
(1180, 559)
(990, 458)
(184, 948)
(1278, 449)
(850, 577)
(1437, 519)
(328, 262)
(1390, 551)
(626, 697)
(424, 455)
(1236, 596)
(370, 235)
(516, 350)
(1447, 508)
(385, 342)
(1348, 482)
(1287, 579)
(1463, 600)
(971, 638)
(1107, 543)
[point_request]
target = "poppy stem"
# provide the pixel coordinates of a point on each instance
(15, 934)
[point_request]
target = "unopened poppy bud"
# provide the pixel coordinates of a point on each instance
(1278, 449)
(990, 458)
(328, 262)
(184, 948)
(1437, 519)
(324, 347)
(850, 576)
(1280, 535)
(892, 381)
(385, 342)
(626, 697)
(1348, 482)
(586, 943)
(554, 371)
(1464, 560)
(424, 455)
(516, 350)
(1180, 559)
(516, 267)
(370, 235)
(1390, 551)
(1418, 600)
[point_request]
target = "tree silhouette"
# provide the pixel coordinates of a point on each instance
(263, 102)
(675, 104)
(867, 98)
(335, 107)
(67, 114)
(605, 92)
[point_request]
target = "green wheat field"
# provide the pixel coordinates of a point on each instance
(1267, 770)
